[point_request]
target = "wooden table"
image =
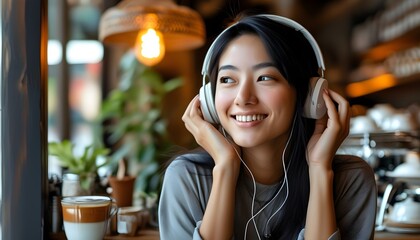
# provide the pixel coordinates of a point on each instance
(141, 235)
(154, 235)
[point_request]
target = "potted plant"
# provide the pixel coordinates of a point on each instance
(133, 122)
(122, 186)
(84, 167)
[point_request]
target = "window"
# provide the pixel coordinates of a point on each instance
(75, 72)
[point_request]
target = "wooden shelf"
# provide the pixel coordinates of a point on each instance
(393, 141)
(377, 84)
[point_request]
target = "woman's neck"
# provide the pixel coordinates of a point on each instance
(265, 163)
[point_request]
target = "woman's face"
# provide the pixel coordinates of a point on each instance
(254, 102)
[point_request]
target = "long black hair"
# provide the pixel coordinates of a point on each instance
(295, 59)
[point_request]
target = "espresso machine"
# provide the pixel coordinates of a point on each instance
(395, 159)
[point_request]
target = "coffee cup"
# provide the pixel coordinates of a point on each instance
(362, 124)
(86, 217)
(129, 220)
(399, 122)
(379, 112)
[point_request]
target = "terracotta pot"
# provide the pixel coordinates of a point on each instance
(122, 190)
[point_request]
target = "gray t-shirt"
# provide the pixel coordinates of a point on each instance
(188, 181)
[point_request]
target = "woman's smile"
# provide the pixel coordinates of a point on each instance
(250, 117)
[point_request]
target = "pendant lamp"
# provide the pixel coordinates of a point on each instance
(152, 27)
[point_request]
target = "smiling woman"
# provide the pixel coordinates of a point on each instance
(269, 130)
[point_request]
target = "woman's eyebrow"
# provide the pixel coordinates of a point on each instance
(263, 65)
(256, 67)
(227, 67)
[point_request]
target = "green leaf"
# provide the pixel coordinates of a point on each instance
(148, 154)
(160, 127)
(84, 164)
(173, 84)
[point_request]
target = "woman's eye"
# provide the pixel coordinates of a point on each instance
(264, 78)
(226, 80)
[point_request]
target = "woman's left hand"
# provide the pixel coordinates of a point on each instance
(330, 131)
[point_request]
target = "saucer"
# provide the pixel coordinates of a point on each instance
(398, 227)
(390, 223)
(402, 230)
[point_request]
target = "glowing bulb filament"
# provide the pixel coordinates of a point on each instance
(149, 47)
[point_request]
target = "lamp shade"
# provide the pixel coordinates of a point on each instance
(181, 27)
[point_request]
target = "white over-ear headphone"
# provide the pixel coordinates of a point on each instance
(314, 105)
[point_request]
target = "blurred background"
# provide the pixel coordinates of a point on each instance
(96, 92)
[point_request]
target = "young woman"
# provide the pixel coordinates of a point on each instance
(266, 170)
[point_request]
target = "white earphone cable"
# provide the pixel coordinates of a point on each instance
(255, 187)
(278, 192)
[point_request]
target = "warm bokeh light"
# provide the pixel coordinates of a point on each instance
(375, 84)
(149, 47)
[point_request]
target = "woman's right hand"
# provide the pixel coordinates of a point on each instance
(220, 209)
(207, 136)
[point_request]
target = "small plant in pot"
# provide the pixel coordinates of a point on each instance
(83, 168)
(134, 125)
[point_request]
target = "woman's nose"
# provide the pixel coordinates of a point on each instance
(246, 94)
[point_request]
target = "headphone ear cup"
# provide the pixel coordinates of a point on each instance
(207, 104)
(315, 105)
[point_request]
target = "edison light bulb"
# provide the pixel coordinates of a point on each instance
(149, 47)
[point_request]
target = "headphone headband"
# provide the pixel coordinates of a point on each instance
(285, 21)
